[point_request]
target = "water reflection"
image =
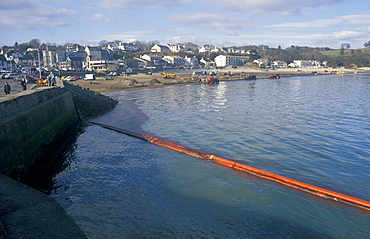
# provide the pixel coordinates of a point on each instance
(285, 127)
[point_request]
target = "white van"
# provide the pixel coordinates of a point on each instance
(89, 77)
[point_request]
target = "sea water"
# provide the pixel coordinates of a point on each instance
(314, 129)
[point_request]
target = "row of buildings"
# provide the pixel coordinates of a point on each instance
(295, 64)
(95, 58)
(98, 58)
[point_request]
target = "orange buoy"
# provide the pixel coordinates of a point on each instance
(324, 193)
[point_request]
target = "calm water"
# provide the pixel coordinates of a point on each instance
(312, 129)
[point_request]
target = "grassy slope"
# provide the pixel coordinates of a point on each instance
(346, 52)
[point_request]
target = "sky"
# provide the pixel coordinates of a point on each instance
(313, 23)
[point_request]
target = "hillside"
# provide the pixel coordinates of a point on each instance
(337, 52)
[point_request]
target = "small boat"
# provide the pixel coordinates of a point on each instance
(274, 76)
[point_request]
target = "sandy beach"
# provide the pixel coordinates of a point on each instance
(185, 77)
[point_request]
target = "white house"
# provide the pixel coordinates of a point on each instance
(25, 61)
(93, 53)
(301, 64)
(72, 63)
(53, 58)
(176, 48)
(228, 60)
(278, 64)
(153, 60)
(262, 62)
(192, 61)
(131, 47)
(175, 60)
(207, 62)
(13, 55)
(204, 49)
(160, 48)
(4, 64)
(101, 66)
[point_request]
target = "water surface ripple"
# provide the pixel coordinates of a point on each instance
(312, 129)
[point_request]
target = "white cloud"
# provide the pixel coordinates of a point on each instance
(10, 5)
(100, 17)
(130, 35)
(286, 7)
(115, 4)
(335, 38)
(346, 35)
(179, 39)
(343, 35)
(212, 21)
(340, 20)
(32, 15)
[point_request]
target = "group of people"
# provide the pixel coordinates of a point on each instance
(50, 81)
(7, 87)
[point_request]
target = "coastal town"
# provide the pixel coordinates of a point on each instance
(121, 57)
(184, 119)
(101, 59)
(150, 61)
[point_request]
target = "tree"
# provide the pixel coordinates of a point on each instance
(367, 44)
(191, 46)
(34, 43)
(103, 43)
(345, 46)
(152, 43)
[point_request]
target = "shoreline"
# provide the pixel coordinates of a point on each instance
(134, 82)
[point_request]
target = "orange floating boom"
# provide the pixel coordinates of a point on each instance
(241, 167)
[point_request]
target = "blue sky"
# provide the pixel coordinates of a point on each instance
(322, 23)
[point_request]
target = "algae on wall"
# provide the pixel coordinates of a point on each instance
(36, 120)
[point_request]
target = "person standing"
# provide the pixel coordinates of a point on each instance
(7, 88)
(24, 83)
(53, 79)
(48, 78)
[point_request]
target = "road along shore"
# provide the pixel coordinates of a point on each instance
(131, 82)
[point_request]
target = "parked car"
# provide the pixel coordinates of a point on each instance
(77, 77)
(29, 79)
(12, 75)
(36, 76)
(68, 78)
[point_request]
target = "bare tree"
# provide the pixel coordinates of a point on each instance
(345, 46)
(103, 43)
(367, 44)
(34, 43)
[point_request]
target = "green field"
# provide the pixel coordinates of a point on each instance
(346, 52)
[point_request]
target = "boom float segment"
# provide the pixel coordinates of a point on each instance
(324, 193)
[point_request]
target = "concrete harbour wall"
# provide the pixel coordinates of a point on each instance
(29, 122)
(34, 126)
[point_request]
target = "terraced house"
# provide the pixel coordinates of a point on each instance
(228, 60)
